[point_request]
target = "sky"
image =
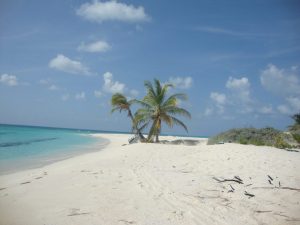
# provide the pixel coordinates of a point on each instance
(238, 61)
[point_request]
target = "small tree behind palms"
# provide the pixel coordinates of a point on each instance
(158, 108)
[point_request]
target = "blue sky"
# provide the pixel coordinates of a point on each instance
(238, 61)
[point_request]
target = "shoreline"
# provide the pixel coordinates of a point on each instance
(39, 161)
(157, 184)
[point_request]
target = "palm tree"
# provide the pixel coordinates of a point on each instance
(120, 102)
(158, 108)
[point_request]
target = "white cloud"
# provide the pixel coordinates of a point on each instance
(65, 97)
(112, 86)
(208, 111)
(134, 93)
(280, 81)
(80, 96)
(284, 109)
(63, 63)
(218, 98)
(240, 87)
(53, 87)
(98, 46)
(294, 102)
(220, 101)
(98, 94)
(237, 84)
(112, 11)
(266, 109)
(181, 82)
(9, 80)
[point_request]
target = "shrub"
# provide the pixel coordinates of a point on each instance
(280, 143)
(297, 137)
(266, 136)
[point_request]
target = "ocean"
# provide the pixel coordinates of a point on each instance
(26, 147)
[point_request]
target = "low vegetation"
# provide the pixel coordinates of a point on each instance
(261, 137)
(266, 136)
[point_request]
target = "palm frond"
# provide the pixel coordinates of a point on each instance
(180, 123)
(178, 111)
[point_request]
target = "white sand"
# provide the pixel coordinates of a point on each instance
(156, 184)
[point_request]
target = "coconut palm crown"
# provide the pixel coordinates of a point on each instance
(119, 102)
(157, 107)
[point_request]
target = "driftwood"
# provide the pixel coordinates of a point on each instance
(226, 180)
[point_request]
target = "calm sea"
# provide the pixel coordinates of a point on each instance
(23, 147)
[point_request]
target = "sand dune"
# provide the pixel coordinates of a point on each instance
(158, 184)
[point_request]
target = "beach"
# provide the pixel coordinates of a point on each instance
(164, 184)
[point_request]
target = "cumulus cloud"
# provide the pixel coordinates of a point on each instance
(218, 98)
(80, 96)
(280, 81)
(290, 107)
(284, 83)
(98, 94)
(112, 86)
(9, 80)
(238, 98)
(98, 46)
(63, 63)
(98, 11)
(181, 82)
(241, 88)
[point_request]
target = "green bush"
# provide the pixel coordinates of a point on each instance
(266, 136)
(243, 141)
(280, 143)
(296, 137)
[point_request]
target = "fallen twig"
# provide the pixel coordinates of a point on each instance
(263, 211)
(225, 180)
(238, 178)
(248, 194)
(270, 181)
(232, 189)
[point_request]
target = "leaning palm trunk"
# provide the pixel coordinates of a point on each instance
(138, 131)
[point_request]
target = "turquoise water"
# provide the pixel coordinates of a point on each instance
(30, 147)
